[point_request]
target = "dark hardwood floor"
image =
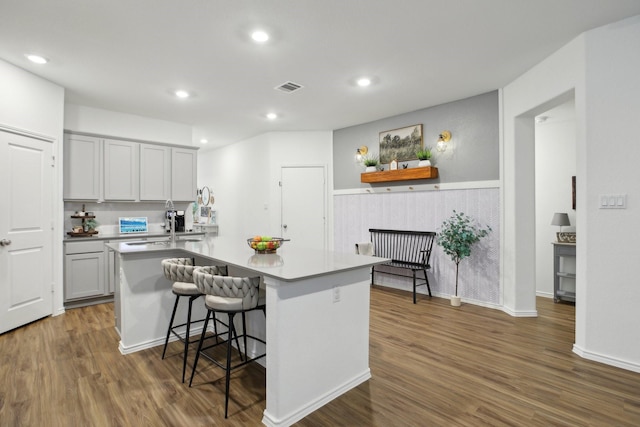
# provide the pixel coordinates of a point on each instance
(432, 365)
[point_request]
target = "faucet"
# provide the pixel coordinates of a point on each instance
(172, 219)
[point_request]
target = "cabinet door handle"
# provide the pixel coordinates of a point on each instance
(5, 242)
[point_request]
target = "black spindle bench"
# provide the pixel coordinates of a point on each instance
(408, 250)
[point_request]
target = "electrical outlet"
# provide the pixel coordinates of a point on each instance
(336, 294)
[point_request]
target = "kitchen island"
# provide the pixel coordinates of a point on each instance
(317, 321)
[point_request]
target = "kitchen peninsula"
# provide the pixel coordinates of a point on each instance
(317, 320)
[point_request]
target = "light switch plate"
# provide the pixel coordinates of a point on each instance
(613, 201)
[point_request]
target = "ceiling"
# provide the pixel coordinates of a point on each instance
(131, 55)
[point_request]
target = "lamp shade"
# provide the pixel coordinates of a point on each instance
(561, 219)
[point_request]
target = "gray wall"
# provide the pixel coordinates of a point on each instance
(472, 154)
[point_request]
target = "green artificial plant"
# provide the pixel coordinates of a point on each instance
(424, 154)
(91, 224)
(457, 235)
(370, 160)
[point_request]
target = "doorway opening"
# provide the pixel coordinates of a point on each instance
(555, 168)
(525, 196)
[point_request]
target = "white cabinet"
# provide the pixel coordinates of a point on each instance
(184, 163)
(84, 270)
(117, 170)
(82, 167)
(121, 170)
(155, 172)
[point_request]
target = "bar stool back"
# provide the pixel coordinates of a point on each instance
(231, 295)
(180, 272)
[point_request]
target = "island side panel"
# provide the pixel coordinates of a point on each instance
(317, 341)
(145, 299)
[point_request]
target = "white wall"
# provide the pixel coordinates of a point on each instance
(244, 177)
(602, 69)
(608, 315)
(30, 103)
(85, 119)
(555, 162)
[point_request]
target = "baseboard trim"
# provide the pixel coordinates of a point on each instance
(422, 292)
(607, 360)
(520, 313)
(153, 343)
(269, 420)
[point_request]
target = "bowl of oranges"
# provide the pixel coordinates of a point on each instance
(265, 244)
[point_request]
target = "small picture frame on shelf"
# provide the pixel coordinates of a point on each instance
(393, 165)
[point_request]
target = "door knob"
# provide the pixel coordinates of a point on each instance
(5, 242)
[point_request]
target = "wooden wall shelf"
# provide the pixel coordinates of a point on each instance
(428, 172)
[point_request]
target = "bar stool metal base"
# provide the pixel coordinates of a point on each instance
(231, 334)
(186, 339)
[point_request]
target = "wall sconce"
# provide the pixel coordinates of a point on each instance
(443, 138)
(360, 152)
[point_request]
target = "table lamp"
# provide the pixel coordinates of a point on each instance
(560, 219)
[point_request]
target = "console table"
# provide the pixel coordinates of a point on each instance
(562, 250)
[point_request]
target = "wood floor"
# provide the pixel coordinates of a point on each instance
(432, 365)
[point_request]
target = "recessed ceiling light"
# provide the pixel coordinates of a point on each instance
(259, 36)
(182, 94)
(203, 141)
(36, 59)
(364, 81)
(272, 116)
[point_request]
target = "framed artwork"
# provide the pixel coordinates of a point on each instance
(204, 211)
(400, 144)
(573, 193)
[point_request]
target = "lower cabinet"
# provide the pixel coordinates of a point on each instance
(90, 269)
(84, 271)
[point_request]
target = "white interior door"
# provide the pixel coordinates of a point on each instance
(26, 174)
(304, 205)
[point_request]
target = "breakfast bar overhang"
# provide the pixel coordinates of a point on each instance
(317, 319)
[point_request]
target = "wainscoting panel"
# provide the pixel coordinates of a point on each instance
(425, 210)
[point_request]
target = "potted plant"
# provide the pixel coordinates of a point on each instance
(370, 161)
(90, 225)
(457, 235)
(424, 155)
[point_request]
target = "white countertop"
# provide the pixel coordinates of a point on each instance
(291, 262)
(129, 236)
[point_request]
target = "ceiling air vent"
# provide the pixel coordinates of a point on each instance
(288, 87)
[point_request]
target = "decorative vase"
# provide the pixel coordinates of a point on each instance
(423, 163)
(455, 300)
(370, 169)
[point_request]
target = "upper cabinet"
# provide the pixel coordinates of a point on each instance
(121, 170)
(184, 163)
(155, 172)
(82, 167)
(103, 169)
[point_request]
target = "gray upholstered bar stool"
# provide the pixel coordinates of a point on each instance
(230, 295)
(180, 272)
